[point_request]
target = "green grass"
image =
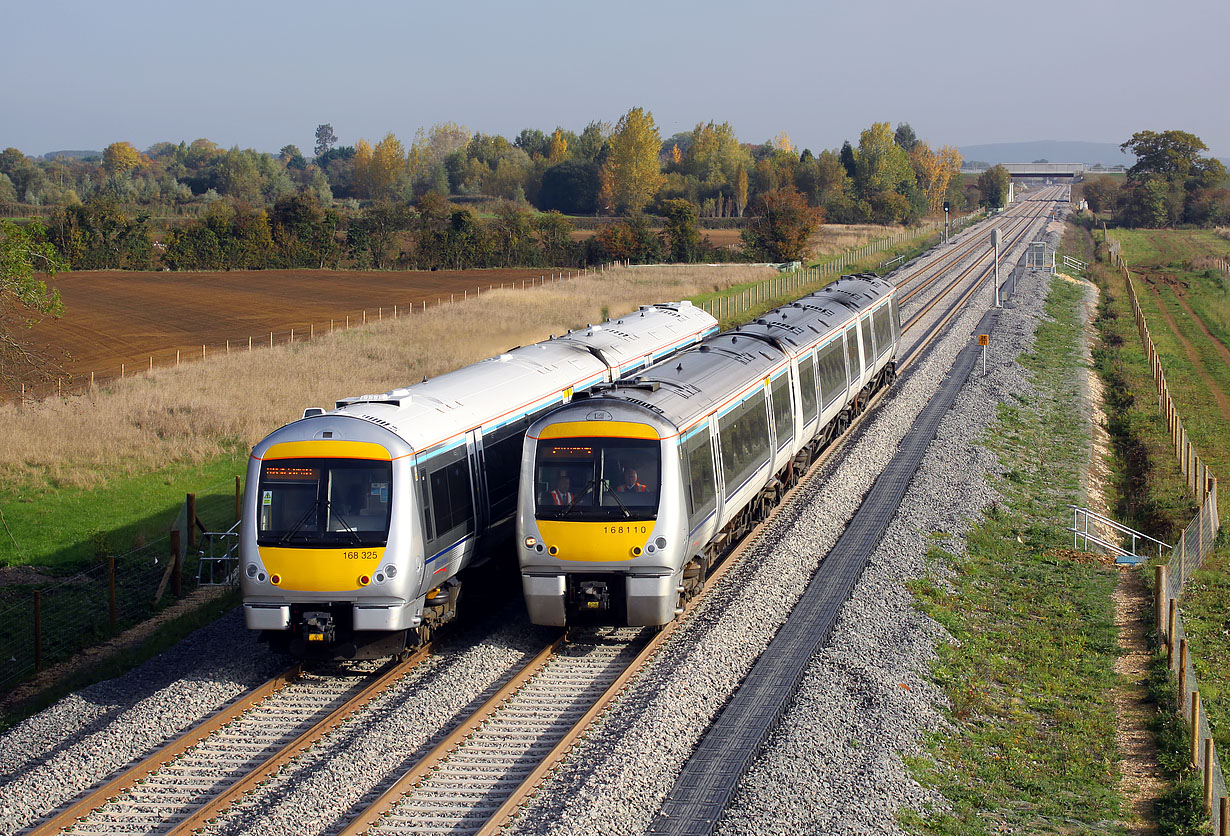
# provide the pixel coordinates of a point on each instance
(1031, 747)
(1151, 495)
(68, 529)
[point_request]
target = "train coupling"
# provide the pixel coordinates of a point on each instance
(319, 627)
(593, 596)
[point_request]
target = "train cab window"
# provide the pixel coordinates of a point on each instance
(783, 410)
(743, 439)
(868, 346)
(696, 458)
(833, 380)
(324, 502)
(856, 370)
(882, 326)
(807, 386)
(597, 479)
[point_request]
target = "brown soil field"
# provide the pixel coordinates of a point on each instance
(114, 317)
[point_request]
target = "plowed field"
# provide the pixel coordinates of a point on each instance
(114, 317)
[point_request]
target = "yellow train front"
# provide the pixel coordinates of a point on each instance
(595, 525)
(633, 492)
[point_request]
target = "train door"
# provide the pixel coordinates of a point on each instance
(869, 351)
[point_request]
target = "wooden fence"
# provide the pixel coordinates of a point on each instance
(1194, 545)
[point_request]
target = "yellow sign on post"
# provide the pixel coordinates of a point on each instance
(984, 339)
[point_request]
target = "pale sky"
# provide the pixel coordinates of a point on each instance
(264, 74)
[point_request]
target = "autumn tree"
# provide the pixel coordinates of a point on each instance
(781, 227)
(558, 150)
(378, 169)
(631, 174)
(25, 255)
(935, 171)
(121, 157)
(905, 137)
(740, 194)
(372, 235)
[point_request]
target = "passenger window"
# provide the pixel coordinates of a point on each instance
(852, 353)
(452, 507)
(783, 410)
(807, 387)
(868, 346)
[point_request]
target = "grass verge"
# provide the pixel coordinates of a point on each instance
(1031, 743)
(1151, 493)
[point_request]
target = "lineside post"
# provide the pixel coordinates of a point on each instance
(111, 589)
(38, 630)
(190, 518)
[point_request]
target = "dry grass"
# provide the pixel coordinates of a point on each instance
(197, 412)
(831, 239)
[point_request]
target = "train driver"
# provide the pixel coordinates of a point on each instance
(562, 495)
(630, 484)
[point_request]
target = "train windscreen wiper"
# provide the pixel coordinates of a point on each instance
(589, 486)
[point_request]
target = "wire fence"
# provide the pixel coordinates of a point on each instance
(1197, 541)
(173, 358)
(787, 284)
(49, 621)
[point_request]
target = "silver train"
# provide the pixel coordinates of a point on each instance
(630, 494)
(357, 521)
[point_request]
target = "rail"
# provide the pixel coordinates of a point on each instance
(1082, 532)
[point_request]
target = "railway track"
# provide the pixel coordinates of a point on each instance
(181, 786)
(477, 779)
(478, 776)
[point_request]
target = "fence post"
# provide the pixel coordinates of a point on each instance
(1182, 671)
(1223, 820)
(190, 518)
(1159, 597)
(1195, 729)
(177, 566)
(38, 630)
(1170, 619)
(111, 589)
(1208, 775)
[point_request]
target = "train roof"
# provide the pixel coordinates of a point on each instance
(797, 327)
(693, 383)
(505, 388)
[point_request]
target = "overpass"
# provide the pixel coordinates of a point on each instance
(1072, 170)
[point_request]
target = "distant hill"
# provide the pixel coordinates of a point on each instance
(1090, 153)
(71, 155)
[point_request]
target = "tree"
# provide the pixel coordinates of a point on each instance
(121, 157)
(570, 187)
(993, 184)
(1170, 154)
(782, 226)
(591, 145)
(533, 142)
(935, 171)
(559, 147)
(325, 139)
(372, 235)
(24, 255)
(631, 174)
(1101, 193)
(292, 157)
(880, 164)
(741, 191)
(905, 137)
(681, 234)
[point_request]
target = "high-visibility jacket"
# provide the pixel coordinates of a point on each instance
(562, 497)
(624, 487)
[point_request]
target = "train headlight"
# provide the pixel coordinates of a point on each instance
(660, 542)
(380, 577)
(252, 570)
(390, 571)
(530, 542)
